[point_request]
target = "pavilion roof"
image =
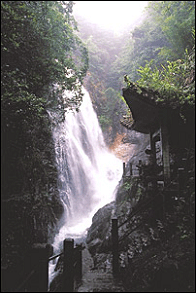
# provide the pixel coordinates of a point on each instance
(144, 109)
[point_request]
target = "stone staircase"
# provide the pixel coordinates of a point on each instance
(97, 280)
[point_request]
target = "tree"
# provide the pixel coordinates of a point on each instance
(41, 57)
(175, 82)
(176, 19)
(40, 49)
(163, 35)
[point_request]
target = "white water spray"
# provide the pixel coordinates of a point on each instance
(88, 173)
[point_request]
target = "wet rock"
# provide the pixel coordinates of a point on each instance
(99, 231)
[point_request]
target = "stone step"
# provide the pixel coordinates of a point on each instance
(97, 280)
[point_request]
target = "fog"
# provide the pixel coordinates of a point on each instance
(111, 15)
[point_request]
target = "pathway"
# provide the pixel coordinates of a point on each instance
(97, 280)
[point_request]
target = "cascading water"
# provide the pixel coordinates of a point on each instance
(88, 173)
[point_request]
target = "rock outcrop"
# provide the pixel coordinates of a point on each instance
(156, 234)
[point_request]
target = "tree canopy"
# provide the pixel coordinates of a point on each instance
(158, 53)
(41, 56)
(174, 81)
(169, 68)
(172, 72)
(163, 35)
(39, 49)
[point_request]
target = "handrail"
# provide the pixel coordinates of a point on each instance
(127, 234)
(137, 211)
(160, 192)
(54, 256)
(114, 235)
(25, 281)
(145, 204)
(75, 269)
(75, 262)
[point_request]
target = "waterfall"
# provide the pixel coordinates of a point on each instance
(87, 172)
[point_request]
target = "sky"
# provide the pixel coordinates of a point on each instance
(111, 15)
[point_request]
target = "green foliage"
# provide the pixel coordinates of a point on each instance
(41, 58)
(124, 63)
(39, 48)
(173, 81)
(111, 108)
(163, 35)
(133, 190)
(170, 72)
(176, 19)
(127, 186)
(103, 47)
(101, 82)
(145, 44)
(104, 121)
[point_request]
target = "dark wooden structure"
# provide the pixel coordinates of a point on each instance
(163, 122)
(150, 119)
(115, 249)
(36, 267)
(68, 261)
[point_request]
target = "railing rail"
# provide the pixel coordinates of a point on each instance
(37, 263)
(179, 180)
(22, 285)
(55, 256)
(72, 256)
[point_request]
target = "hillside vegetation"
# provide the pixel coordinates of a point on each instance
(161, 46)
(44, 54)
(32, 65)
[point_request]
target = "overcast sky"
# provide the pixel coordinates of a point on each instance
(115, 15)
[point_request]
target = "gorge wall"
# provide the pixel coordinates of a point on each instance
(156, 234)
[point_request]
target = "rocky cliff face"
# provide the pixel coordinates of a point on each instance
(130, 148)
(156, 235)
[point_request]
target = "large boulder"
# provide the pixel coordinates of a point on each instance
(99, 233)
